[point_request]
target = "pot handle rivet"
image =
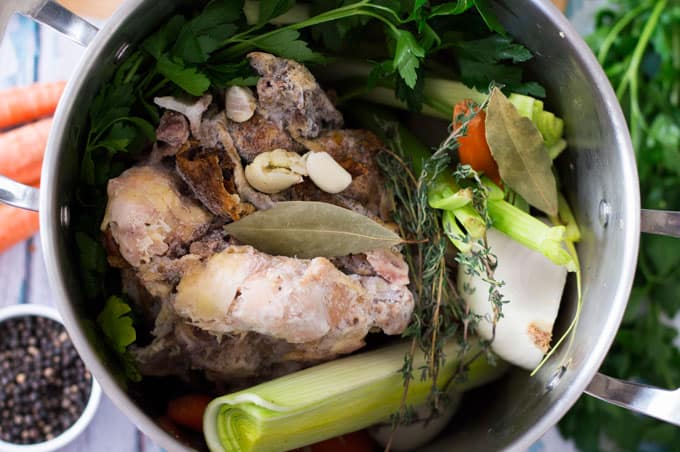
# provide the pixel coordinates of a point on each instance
(556, 378)
(604, 213)
(121, 52)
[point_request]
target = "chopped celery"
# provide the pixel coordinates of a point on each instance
(471, 220)
(550, 126)
(332, 399)
(556, 149)
(566, 218)
(494, 191)
(531, 232)
(455, 233)
(443, 195)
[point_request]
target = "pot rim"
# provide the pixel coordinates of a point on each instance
(53, 216)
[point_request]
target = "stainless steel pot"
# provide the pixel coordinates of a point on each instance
(598, 171)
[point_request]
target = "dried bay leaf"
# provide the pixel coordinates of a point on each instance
(307, 229)
(518, 148)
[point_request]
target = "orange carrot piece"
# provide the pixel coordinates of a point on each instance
(16, 225)
(28, 103)
(22, 150)
(187, 411)
(473, 148)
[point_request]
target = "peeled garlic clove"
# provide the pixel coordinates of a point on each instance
(275, 171)
(326, 173)
(240, 103)
(281, 158)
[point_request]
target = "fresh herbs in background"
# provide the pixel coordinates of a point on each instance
(638, 44)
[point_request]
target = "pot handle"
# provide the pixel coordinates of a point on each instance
(658, 403)
(67, 23)
(52, 14)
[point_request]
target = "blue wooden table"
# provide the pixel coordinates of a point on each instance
(30, 53)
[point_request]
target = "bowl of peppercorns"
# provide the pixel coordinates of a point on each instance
(47, 396)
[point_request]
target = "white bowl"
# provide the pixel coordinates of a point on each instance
(77, 428)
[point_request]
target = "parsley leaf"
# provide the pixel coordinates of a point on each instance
(495, 48)
(269, 9)
(286, 44)
(188, 78)
(119, 332)
(407, 57)
(452, 8)
(159, 42)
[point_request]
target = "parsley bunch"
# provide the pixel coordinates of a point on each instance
(638, 44)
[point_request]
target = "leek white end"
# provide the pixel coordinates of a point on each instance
(533, 286)
(331, 399)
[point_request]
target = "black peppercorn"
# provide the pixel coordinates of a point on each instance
(44, 385)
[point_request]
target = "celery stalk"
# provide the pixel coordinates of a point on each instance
(471, 220)
(531, 232)
(331, 399)
(566, 217)
(454, 233)
(557, 148)
(443, 195)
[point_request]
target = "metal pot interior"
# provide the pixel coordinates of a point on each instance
(598, 175)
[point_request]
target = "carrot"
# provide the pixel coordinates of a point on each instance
(16, 225)
(352, 442)
(473, 149)
(28, 103)
(22, 149)
(187, 410)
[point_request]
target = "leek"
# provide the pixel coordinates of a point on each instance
(332, 399)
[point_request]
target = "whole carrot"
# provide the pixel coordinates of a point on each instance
(16, 225)
(22, 150)
(28, 103)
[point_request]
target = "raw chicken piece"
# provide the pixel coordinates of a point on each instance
(148, 215)
(300, 301)
(289, 95)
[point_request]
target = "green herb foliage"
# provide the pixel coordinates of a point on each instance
(638, 43)
(116, 324)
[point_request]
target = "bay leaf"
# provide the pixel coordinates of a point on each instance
(518, 147)
(308, 229)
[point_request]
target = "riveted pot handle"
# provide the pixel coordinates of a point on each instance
(660, 222)
(658, 403)
(52, 14)
(18, 195)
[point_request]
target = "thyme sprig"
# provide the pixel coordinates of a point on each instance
(440, 314)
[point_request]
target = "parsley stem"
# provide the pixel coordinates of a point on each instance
(617, 29)
(630, 78)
